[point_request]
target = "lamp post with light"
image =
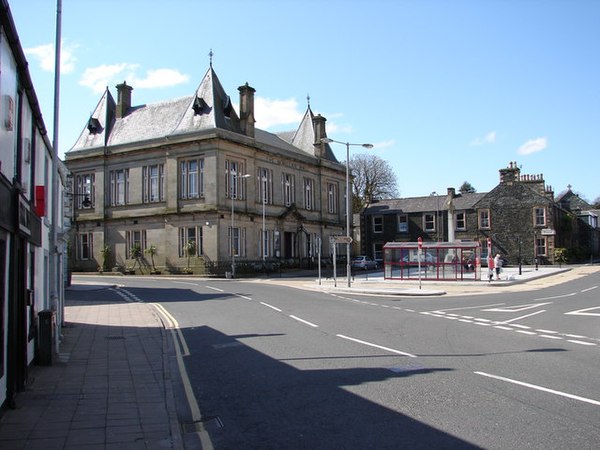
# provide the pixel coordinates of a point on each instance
(348, 200)
(233, 178)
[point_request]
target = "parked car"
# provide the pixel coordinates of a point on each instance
(425, 257)
(364, 263)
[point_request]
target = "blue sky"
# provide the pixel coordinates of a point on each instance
(447, 90)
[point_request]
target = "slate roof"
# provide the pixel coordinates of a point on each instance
(424, 204)
(208, 108)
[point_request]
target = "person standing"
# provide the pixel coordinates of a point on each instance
(491, 266)
(498, 265)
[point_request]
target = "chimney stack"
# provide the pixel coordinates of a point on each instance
(123, 99)
(320, 133)
(247, 109)
(511, 174)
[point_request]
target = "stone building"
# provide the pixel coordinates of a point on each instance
(200, 186)
(520, 216)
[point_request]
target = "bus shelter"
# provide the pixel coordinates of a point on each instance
(448, 261)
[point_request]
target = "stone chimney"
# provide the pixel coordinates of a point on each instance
(123, 99)
(511, 174)
(451, 193)
(320, 133)
(247, 109)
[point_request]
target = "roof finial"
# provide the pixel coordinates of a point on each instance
(210, 54)
(308, 99)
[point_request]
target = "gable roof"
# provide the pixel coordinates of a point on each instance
(209, 108)
(424, 204)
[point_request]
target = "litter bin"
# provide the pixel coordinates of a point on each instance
(47, 327)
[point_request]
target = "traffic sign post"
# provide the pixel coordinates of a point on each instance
(419, 254)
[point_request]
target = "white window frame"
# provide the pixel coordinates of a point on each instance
(288, 188)
(461, 218)
(429, 221)
(119, 187)
(537, 216)
(377, 224)
(234, 186)
(187, 234)
(332, 198)
(85, 246)
(484, 219)
(84, 189)
(133, 237)
(238, 244)
(309, 193)
(191, 173)
(153, 182)
(402, 223)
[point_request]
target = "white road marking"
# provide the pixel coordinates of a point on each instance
(529, 333)
(546, 331)
(215, 289)
(517, 308)
(503, 328)
(270, 306)
(583, 312)
(540, 388)
(589, 289)
(387, 349)
(473, 307)
(573, 341)
(523, 317)
(576, 336)
(306, 322)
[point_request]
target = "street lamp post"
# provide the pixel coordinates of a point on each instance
(263, 234)
(233, 178)
(348, 199)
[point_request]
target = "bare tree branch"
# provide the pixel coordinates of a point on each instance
(373, 179)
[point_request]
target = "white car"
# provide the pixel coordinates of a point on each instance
(364, 263)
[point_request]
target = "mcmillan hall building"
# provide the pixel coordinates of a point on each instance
(199, 185)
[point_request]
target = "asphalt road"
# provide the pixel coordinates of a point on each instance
(274, 367)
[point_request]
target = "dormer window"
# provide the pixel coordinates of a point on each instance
(227, 107)
(200, 106)
(94, 126)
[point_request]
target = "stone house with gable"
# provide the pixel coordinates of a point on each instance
(520, 216)
(191, 170)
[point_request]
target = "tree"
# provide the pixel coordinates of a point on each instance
(190, 250)
(372, 178)
(467, 188)
(596, 203)
(152, 251)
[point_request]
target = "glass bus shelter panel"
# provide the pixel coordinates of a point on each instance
(437, 262)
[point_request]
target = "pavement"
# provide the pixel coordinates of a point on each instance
(115, 383)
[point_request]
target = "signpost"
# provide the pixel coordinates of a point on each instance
(419, 255)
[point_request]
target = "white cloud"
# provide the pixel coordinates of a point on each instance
(489, 138)
(160, 78)
(45, 56)
(384, 144)
(269, 112)
(97, 78)
(533, 146)
(333, 128)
